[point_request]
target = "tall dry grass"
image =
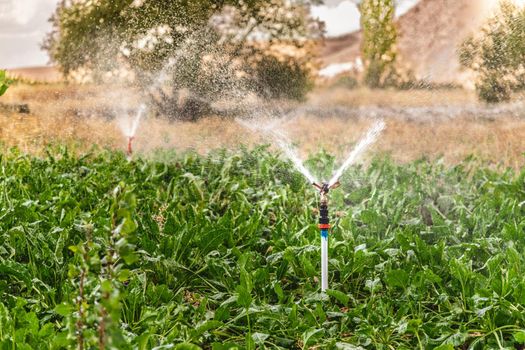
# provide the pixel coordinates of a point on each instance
(79, 117)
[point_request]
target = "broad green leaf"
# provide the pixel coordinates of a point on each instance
(124, 275)
(64, 309)
(311, 335)
(259, 338)
(244, 298)
(445, 347)
(397, 278)
(205, 327)
(340, 296)
(279, 291)
(519, 337)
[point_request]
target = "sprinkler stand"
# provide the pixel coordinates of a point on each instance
(324, 226)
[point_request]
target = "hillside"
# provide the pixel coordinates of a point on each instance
(429, 35)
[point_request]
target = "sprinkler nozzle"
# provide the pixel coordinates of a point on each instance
(130, 145)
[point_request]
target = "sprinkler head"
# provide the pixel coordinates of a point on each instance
(323, 188)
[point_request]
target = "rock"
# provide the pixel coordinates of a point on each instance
(22, 108)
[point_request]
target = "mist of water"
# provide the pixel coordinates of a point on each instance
(129, 125)
(279, 138)
(272, 128)
(370, 137)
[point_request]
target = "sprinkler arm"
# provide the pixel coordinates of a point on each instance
(324, 188)
(335, 185)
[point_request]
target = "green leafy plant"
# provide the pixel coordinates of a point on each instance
(222, 251)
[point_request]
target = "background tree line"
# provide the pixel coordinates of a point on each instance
(206, 50)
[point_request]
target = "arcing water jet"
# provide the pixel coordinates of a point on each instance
(130, 129)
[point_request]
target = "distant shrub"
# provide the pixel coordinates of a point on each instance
(493, 88)
(496, 55)
(346, 82)
(282, 79)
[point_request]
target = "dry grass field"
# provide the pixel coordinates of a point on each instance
(446, 124)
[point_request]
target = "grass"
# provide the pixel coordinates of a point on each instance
(221, 251)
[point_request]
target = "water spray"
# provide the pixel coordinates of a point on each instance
(129, 127)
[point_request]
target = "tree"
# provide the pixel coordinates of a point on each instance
(201, 49)
(379, 40)
(4, 82)
(496, 54)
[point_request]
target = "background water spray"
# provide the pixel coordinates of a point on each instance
(129, 127)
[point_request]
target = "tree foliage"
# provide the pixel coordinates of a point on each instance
(203, 48)
(496, 54)
(379, 41)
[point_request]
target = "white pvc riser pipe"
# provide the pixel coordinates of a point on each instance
(324, 260)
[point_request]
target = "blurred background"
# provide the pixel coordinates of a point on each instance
(447, 75)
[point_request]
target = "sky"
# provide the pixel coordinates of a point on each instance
(24, 23)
